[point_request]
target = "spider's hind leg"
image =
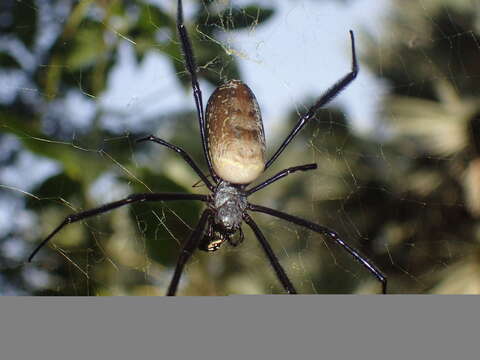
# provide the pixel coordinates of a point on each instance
(330, 235)
(279, 271)
(188, 249)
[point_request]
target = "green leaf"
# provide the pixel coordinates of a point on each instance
(8, 61)
(23, 20)
(73, 160)
(87, 48)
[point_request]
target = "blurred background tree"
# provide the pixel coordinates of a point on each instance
(406, 195)
(429, 179)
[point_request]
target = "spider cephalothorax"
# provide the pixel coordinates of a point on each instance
(233, 144)
(228, 204)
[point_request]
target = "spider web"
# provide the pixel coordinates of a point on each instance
(396, 150)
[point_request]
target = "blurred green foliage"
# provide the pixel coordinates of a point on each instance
(430, 58)
(75, 52)
(408, 198)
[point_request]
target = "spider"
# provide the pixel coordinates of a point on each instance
(233, 142)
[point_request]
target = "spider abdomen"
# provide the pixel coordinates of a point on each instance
(230, 204)
(235, 133)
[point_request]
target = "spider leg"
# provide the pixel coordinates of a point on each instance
(323, 100)
(113, 205)
(188, 249)
(329, 234)
(197, 93)
(281, 275)
(184, 155)
(280, 175)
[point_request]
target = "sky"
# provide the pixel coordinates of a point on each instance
(296, 55)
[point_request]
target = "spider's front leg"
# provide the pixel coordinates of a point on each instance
(328, 96)
(191, 66)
